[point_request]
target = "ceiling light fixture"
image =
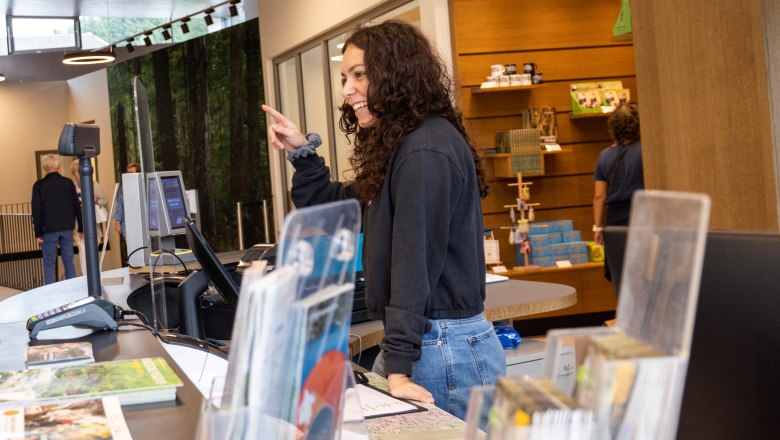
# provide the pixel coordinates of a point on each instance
(166, 33)
(89, 57)
(233, 9)
(2, 77)
(107, 55)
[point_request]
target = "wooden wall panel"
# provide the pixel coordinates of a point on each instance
(569, 40)
(700, 133)
(556, 65)
(483, 131)
(507, 25)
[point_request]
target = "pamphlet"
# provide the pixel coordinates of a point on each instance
(80, 419)
(68, 353)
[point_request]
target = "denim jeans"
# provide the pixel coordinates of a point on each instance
(63, 239)
(457, 354)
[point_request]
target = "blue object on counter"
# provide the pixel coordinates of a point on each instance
(508, 336)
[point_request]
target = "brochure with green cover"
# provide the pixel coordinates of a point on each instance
(133, 381)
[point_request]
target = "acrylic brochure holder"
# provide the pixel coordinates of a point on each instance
(289, 367)
(631, 380)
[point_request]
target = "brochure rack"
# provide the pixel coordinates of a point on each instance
(633, 374)
(289, 364)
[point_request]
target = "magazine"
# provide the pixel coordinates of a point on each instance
(74, 420)
(68, 353)
(324, 365)
(134, 381)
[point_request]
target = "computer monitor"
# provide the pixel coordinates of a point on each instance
(731, 389)
(167, 211)
(209, 262)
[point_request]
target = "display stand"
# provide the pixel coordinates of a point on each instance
(631, 381)
(521, 214)
(289, 366)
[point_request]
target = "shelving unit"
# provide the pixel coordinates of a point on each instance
(478, 90)
(589, 115)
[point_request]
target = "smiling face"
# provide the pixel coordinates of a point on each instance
(355, 84)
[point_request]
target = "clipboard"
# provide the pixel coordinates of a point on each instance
(376, 402)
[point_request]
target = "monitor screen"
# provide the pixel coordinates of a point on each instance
(174, 201)
(167, 208)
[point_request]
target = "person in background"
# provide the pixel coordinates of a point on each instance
(100, 200)
(420, 181)
(55, 209)
(119, 217)
(618, 173)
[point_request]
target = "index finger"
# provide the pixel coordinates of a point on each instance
(275, 114)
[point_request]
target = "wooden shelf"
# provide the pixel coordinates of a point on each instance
(477, 90)
(624, 37)
(589, 115)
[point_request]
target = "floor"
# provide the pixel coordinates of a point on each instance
(7, 292)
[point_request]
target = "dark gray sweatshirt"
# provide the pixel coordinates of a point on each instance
(423, 254)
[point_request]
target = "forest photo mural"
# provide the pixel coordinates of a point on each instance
(204, 103)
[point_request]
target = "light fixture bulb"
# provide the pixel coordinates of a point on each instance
(2, 77)
(166, 33)
(89, 57)
(185, 28)
(233, 10)
(209, 21)
(148, 39)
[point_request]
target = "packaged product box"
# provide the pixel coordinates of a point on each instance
(569, 236)
(550, 227)
(595, 251)
(545, 239)
(578, 258)
(576, 247)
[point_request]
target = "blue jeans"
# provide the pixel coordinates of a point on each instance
(63, 239)
(457, 354)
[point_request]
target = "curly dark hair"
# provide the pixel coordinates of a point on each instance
(407, 83)
(623, 124)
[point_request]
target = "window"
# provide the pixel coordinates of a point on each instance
(42, 34)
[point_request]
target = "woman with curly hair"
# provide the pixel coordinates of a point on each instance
(420, 182)
(618, 173)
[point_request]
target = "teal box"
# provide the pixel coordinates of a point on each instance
(548, 250)
(570, 236)
(542, 261)
(550, 227)
(544, 239)
(578, 258)
(577, 247)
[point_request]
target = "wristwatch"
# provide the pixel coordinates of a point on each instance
(597, 228)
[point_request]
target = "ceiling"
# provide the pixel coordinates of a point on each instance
(48, 66)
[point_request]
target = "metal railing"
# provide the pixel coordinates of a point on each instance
(21, 261)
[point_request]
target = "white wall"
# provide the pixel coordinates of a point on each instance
(31, 119)
(33, 115)
(88, 100)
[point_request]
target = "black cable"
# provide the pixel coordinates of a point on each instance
(135, 324)
(131, 254)
(137, 313)
(154, 263)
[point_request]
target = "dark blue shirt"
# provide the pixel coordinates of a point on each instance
(627, 178)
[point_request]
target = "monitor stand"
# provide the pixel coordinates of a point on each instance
(162, 258)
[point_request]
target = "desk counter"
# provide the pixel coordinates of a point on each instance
(504, 300)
